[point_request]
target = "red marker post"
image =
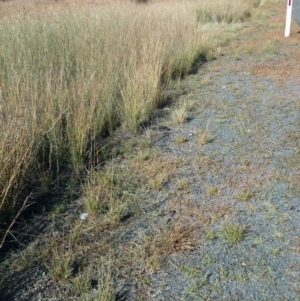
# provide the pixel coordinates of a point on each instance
(288, 18)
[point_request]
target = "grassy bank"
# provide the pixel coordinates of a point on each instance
(71, 74)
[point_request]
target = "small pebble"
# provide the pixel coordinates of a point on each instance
(83, 216)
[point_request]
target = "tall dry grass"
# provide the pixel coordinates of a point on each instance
(70, 74)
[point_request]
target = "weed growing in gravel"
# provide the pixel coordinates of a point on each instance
(24, 263)
(171, 239)
(101, 191)
(282, 218)
(179, 114)
(176, 238)
(268, 217)
(278, 234)
(204, 139)
(104, 291)
(208, 260)
(212, 190)
(252, 207)
(180, 139)
(237, 56)
(110, 194)
(82, 282)
(183, 185)
(244, 195)
(271, 207)
(259, 240)
(157, 183)
(275, 251)
(61, 268)
(211, 234)
(232, 232)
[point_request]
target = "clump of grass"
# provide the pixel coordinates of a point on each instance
(176, 238)
(98, 191)
(232, 233)
(144, 155)
(211, 234)
(180, 139)
(179, 114)
(282, 218)
(157, 182)
(204, 139)
(204, 136)
(275, 250)
(244, 195)
(212, 190)
(183, 185)
(278, 234)
(104, 291)
(61, 268)
(259, 240)
(172, 239)
(82, 283)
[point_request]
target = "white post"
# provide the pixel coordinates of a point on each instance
(288, 18)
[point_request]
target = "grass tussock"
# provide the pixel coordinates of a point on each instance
(71, 76)
(172, 239)
(233, 233)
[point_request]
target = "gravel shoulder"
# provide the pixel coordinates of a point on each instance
(236, 175)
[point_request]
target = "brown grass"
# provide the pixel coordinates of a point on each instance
(179, 237)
